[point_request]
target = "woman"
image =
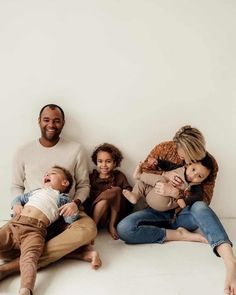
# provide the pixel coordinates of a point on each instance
(151, 226)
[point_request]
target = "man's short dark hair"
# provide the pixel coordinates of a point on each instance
(52, 107)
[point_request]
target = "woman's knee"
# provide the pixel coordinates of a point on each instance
(198, 206)
(200, 209)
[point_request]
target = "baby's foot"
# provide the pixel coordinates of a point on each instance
(131, 197)
(137, 171)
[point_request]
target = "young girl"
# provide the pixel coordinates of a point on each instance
(106, 204)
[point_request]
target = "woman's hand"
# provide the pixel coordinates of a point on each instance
(69, 209)
(166, 189)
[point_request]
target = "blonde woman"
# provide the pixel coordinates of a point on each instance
(151, 226)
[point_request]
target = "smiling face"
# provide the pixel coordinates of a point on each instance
(51, 123)
(105, 164)
(56, 179)
(196, 173)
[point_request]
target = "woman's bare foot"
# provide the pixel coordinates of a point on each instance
(190, 236)
(113, 232)
(137, 171)
(230, 281)
(182, 234)
(131, 197)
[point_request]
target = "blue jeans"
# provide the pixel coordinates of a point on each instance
(149, 225)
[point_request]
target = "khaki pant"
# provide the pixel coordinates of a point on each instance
(146, 187)
(77, 234)
(27, 235)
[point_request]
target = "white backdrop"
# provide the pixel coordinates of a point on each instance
(128, 72)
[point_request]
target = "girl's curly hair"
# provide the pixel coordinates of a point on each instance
(111, 149)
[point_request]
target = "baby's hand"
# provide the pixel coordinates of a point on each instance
(181, 203)
(17, 209)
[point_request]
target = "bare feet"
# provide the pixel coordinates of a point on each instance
(230, 281)
(87, 253)
(93, 257)
(137, 171)
(190, 236)
(131, 197)
(182, 234)
(113, 232)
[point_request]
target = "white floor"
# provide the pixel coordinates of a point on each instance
(174, 268)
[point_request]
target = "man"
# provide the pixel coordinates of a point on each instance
(29, 165)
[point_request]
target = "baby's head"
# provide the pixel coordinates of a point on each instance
(59, 179)
(199, 171)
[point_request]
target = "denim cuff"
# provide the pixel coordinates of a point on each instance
(214, 246)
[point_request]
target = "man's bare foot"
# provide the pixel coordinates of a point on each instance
(86, 253)
(137, 171)
(93, 257)
(186, 235)
(131, 197)
(230, 281)
(113, 232)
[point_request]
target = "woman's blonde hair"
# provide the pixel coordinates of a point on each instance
(192, 141)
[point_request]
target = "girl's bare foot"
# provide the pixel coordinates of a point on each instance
(186, 235)
(137, 171)
(230, 281)
(113, 232)
(131, 197)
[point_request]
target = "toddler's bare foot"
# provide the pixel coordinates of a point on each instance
(131, 197)
(186, 235)
(230, 281)
(113, 232)
(137, 171)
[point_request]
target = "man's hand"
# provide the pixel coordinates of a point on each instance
(166, 189)
(17, 209)
(68, 209)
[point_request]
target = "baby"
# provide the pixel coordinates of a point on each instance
(190, 174)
